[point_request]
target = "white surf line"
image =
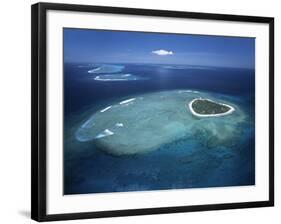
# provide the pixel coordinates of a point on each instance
(111, 80)
(188, 91)
(88, 124)
(185, 91)
(104, 133)
(210, 115)
(105, 109)
(94, 70)
(126, 75)
(119, 125)
(98, 78)
(127, 101)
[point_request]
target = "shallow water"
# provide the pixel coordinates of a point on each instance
(146, 122)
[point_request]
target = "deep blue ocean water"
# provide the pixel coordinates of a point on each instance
(181, 164)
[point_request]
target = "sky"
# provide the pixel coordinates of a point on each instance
(100, 46)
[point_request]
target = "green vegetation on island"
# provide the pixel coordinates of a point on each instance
(143, 123)
(208, 107)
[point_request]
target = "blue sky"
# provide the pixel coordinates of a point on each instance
(95, 46)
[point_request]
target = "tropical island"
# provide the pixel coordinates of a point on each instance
(143, 123)
(208, 108)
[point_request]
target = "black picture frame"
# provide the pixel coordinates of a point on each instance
(39, 123)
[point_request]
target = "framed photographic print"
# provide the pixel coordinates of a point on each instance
(138, 111)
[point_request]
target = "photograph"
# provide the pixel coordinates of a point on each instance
(153, 111)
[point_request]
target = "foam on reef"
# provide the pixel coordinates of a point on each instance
(112, 73)
(106, 68)
(143, 123)
(118, 77)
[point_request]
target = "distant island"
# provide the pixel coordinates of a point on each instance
(208, 108)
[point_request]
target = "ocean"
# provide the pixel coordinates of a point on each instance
(198, 158)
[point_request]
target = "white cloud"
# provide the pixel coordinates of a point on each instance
(162, 52)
